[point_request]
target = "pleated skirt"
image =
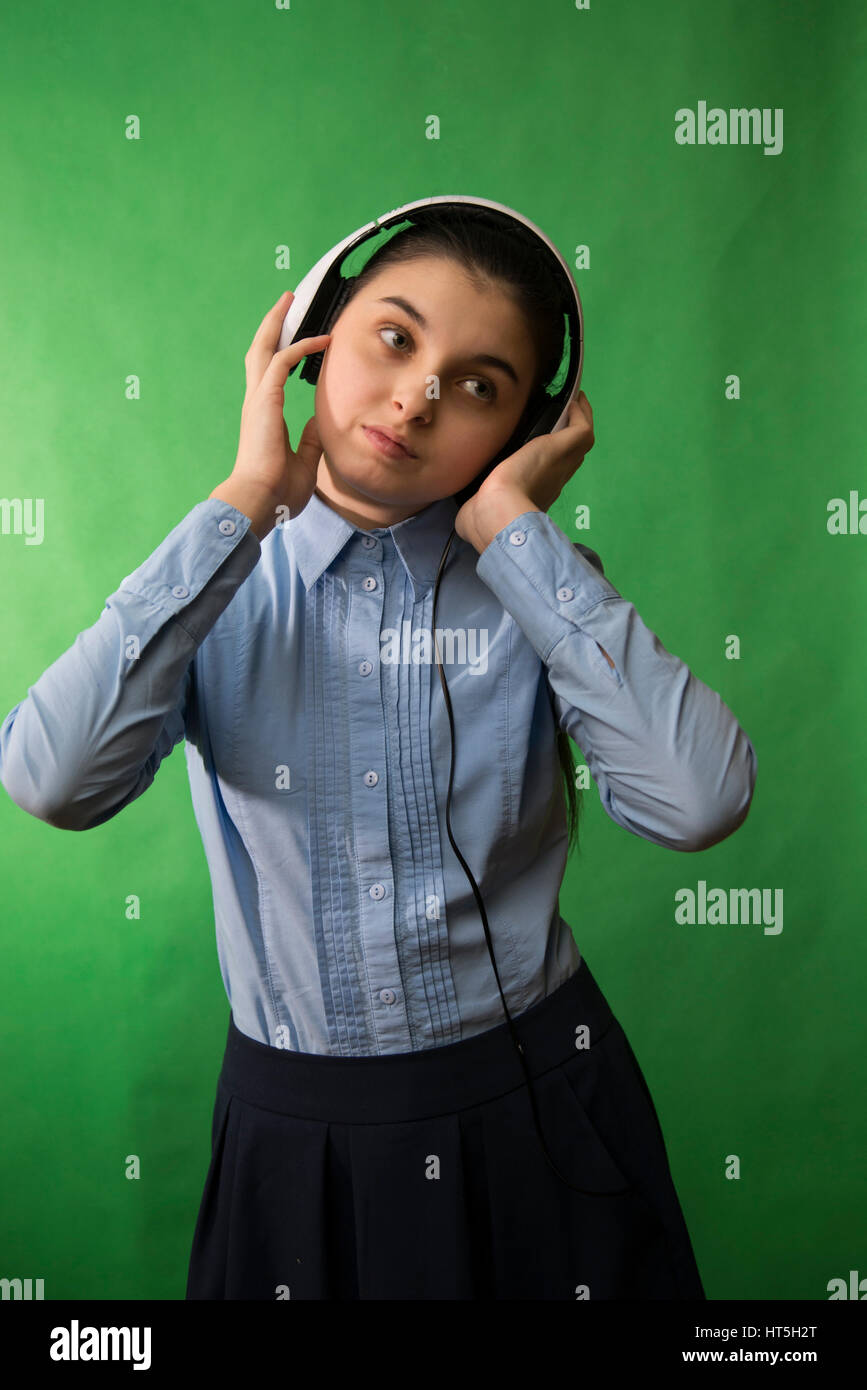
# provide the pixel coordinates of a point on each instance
(422, 1175)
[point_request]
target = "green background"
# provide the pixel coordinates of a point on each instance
(263, 127)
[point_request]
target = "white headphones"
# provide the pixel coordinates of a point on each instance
(322, 292)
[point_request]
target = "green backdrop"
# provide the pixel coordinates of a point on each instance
(264, 127)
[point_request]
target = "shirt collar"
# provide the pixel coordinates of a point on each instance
(319, 534)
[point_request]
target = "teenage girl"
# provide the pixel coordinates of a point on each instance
(376, 1132)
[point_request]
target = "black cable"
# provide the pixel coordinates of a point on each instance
(617, 1191)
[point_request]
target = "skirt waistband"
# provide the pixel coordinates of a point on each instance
(406, 1086)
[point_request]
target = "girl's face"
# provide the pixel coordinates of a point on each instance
(423, 369)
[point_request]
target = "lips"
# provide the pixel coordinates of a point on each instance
(387, 442)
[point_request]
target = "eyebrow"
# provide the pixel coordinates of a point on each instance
(485, 358)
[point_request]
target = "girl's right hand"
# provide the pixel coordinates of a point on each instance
(266, 463)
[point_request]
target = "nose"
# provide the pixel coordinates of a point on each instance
(411, 398)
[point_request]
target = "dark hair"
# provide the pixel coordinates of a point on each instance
(490, 247)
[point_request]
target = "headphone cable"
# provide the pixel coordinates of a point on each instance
(515, 1039)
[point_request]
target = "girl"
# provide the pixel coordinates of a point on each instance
(374, 1134)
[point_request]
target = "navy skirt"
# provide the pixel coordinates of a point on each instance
(421, 1175)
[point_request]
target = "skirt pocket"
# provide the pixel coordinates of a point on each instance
(589, 1140)
(612, 1097)
(616, 1098)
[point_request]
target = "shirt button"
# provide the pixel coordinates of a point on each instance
(180, 591)
(371, 779)
(565, 593)
(376, 891)
(368, 542)
(227, 526)
(369, 583)
(517, 537)
(365, 668)
(387, 996)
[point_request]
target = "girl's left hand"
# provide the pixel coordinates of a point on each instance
(539, 470)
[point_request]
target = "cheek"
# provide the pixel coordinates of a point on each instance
(327, 400)
(343, 385)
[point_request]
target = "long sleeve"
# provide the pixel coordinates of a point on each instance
(670, 760)
(91, 733)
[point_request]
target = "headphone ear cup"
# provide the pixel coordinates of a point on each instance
(313, 364)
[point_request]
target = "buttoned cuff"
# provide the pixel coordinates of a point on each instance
(542, 579)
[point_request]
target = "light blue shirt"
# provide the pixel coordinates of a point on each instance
(318, 751)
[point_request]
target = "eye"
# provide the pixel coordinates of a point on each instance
(490, 387)
(399, 331)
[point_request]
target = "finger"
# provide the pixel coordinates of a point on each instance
(578, 430)
(265, 339)
(258, 366)
(274, 317)
(282, 362)
(581, 412)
